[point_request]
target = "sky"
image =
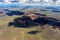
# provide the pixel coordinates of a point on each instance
(23, 3)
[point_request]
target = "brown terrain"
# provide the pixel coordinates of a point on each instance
(11, 33)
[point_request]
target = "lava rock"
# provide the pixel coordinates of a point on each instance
(33, 32)
(11, 13)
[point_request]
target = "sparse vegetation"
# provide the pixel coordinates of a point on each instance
(20, 33)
